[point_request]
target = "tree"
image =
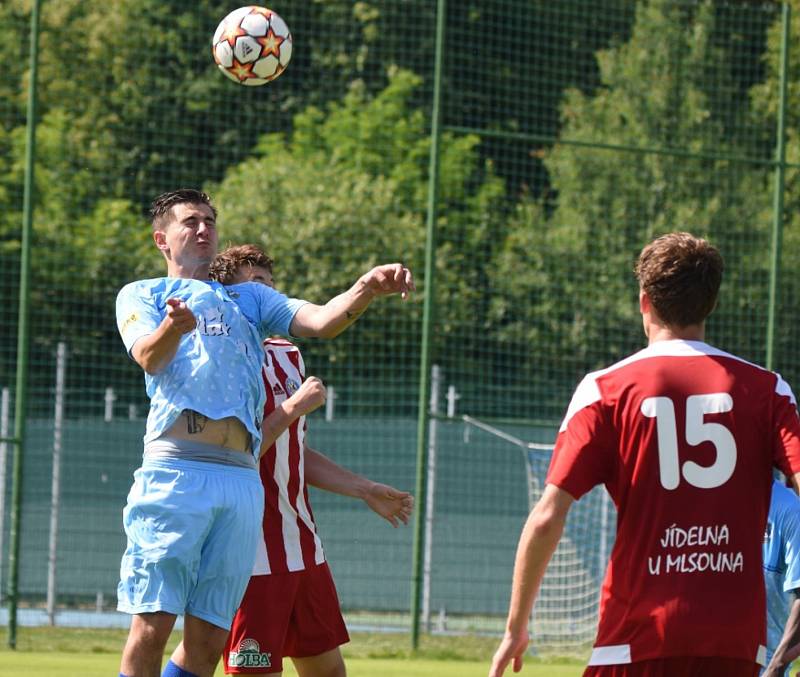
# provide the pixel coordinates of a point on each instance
(564, 275)
(346, 191)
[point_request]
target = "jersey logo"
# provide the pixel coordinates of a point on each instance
(249, 655)
(277, 390)
(128, 322)
(212, 323)
(292, 386)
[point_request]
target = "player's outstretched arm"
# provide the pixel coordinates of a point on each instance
(789, 647)
(537, 543)
(393, 505)
(308, 397)
(341, 311)
(155, 351)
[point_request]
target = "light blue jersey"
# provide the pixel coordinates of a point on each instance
(781, 561)
(217, 368)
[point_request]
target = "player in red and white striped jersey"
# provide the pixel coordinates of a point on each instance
(291, 608)
(684, 437)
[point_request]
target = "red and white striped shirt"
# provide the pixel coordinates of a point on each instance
(290, 540)
(684, 437)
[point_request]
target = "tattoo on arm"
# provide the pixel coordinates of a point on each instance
(195, 423)
(351, 317)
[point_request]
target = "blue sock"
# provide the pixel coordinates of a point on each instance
(172, 670)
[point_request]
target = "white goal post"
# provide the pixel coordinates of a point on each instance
(565, 615)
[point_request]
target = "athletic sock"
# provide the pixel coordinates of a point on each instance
(172, 670)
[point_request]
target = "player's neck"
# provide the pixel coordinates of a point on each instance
(662, 332)
(196, 272)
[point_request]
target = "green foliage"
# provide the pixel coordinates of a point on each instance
(663, 89)
(328, 167)
(766, 110)
(347, 191)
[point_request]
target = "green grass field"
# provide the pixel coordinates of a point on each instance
(82, 652)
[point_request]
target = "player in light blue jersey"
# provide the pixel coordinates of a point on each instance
(782, 580)
(193, 516)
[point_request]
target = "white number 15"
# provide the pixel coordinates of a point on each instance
(697, 431)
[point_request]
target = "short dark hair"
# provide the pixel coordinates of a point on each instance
(230, 261)
(163, 204)
(681, 275)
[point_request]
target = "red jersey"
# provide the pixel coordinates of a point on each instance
(290, 540)
(684, 437)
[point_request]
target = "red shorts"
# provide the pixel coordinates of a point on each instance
(685, 666)
(284, 615)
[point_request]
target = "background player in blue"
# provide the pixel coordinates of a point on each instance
(782, 580)
(193, 516)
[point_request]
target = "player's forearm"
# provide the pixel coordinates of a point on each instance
(787, 648)
(154, 352)
(335, 316)
(538, 541)
(323, 473)
(276, 423)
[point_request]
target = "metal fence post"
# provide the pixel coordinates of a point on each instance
(21, 394)
(55, 486)
(436, 379)
(427, 319)
(780, 188)
(5, 401)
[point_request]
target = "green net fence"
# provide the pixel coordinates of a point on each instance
(572, 133)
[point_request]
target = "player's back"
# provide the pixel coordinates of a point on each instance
(684, 436)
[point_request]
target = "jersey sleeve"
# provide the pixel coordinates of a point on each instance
(276, 311)
(584, 453)
(137, 314)
(786, 454)
(789, 534)
(792, 553)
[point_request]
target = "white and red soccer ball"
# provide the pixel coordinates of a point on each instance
(252, 45)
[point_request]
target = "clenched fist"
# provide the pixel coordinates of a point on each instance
(308, 397)
(179, 318)
(389, 278)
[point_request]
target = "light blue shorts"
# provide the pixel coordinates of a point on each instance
(192, 529)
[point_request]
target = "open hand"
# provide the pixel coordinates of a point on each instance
(511, 649)
(392, 504)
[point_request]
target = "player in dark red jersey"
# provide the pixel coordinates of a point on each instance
(290, 608)
(684, 437)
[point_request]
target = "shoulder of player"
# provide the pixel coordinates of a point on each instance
(155, 290)
(277, 346)
(597, 386)
(253, 289)
(150, 284)
(279, 343)
(784, 499)
(664, 350)
(784, 514)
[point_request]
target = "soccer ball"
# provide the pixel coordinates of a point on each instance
(252, 45)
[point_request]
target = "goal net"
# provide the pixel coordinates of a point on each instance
(564, 618)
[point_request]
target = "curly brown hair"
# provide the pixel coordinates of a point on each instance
(229, 262)
(681, 275)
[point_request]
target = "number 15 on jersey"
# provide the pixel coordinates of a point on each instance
(662, 409)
